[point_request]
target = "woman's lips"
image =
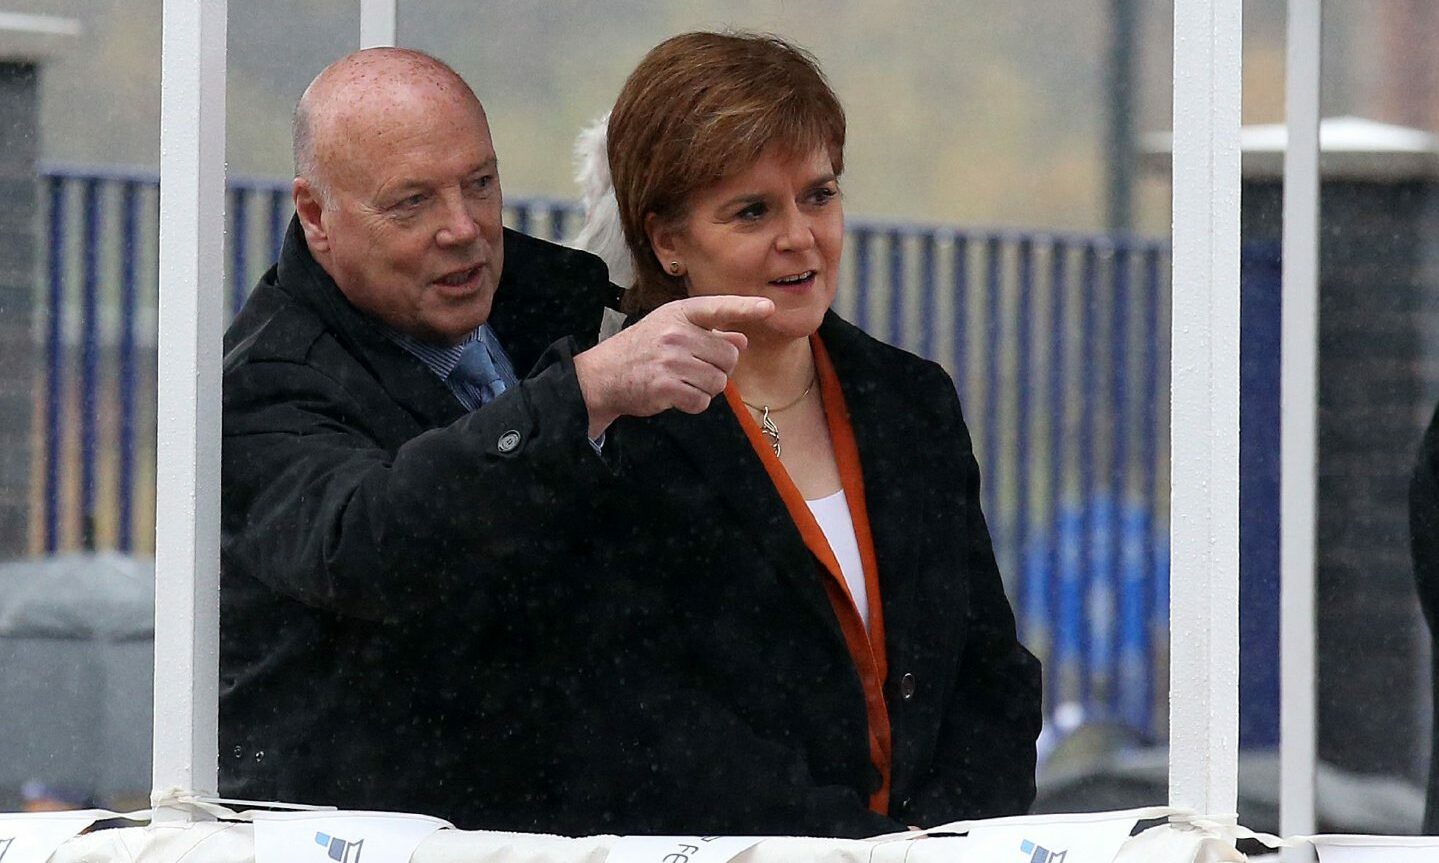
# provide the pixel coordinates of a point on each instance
(795, 282)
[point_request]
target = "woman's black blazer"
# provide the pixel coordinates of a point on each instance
(730, 702)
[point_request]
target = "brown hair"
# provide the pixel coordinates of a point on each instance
(699, 108)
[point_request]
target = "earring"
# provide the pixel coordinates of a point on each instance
(675, 268)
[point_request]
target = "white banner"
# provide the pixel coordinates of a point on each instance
(1374, 849)
(339, 837)
(32, 837)
(678, 849)
(1094, 840)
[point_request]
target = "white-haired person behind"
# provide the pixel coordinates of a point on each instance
(810, 630)
(601, 234)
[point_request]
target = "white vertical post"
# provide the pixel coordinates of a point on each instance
(1204, 515)
(187, 506)
(1299, 380)
(377, 22)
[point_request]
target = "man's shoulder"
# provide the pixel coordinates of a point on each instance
(271, 325)
(547, 292)
(527, 257)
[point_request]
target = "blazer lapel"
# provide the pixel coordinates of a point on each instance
(413, 385)
(877, 414)
(716, 445)
(403, 377)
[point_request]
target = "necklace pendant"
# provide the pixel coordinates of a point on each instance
(769, 430)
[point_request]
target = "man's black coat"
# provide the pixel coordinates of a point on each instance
(1424, 543)
(381, 547)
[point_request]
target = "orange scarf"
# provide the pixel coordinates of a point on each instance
(866, 648)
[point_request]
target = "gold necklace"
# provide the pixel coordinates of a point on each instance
(766, 425)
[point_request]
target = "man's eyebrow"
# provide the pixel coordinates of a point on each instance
(391, 196)
(404, 187)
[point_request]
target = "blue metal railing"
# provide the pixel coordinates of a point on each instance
(1055, 342)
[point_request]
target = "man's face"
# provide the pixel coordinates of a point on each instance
(411, 228)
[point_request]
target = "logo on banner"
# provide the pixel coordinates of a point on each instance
(337, 849)
(1040, 854)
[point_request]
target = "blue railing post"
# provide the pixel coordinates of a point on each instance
(54, 364)
(1090, 388)
(861, 241)
(960, 277)
(926, 296)
(239, 248)
(559, 214)
(129, 243)
(1022, 467)
(1119, 457)
(1057, 436)
(1149, 459)
(994, 354)
(522, 217)
(278, 201)
(90, 363)
(896, 288)
(1132, 559)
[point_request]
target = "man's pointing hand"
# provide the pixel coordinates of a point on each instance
(678, 356)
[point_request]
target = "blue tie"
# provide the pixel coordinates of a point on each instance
(476, 370)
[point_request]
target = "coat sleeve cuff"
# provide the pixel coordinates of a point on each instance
(543, 419)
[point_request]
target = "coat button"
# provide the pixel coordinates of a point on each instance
(907, 685)
(905, 805)
(508, 441)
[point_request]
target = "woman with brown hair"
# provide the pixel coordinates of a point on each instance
(805, 575)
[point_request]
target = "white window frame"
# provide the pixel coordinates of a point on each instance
(187, 505)
(187, 480)
(1299, 440)
(1204, 410)
(379, 20)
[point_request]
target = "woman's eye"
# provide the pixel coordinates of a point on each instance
(410, 202)
(824, 194)
(482, 183)
(752, 212)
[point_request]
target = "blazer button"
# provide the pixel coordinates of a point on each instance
(907, 686)
(508, 441)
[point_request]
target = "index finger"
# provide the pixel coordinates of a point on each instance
(723, 312)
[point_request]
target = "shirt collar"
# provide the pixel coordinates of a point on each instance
(440, 359)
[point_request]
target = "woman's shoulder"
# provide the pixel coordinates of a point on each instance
(856, 353)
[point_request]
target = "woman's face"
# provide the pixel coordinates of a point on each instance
(773, 230)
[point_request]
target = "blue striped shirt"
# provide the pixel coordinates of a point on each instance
(442, 360)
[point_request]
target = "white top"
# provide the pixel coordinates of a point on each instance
(832, 513)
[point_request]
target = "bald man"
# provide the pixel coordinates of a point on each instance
(413, 418)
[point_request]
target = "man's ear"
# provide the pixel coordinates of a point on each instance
(310, 210)
(664, 240)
